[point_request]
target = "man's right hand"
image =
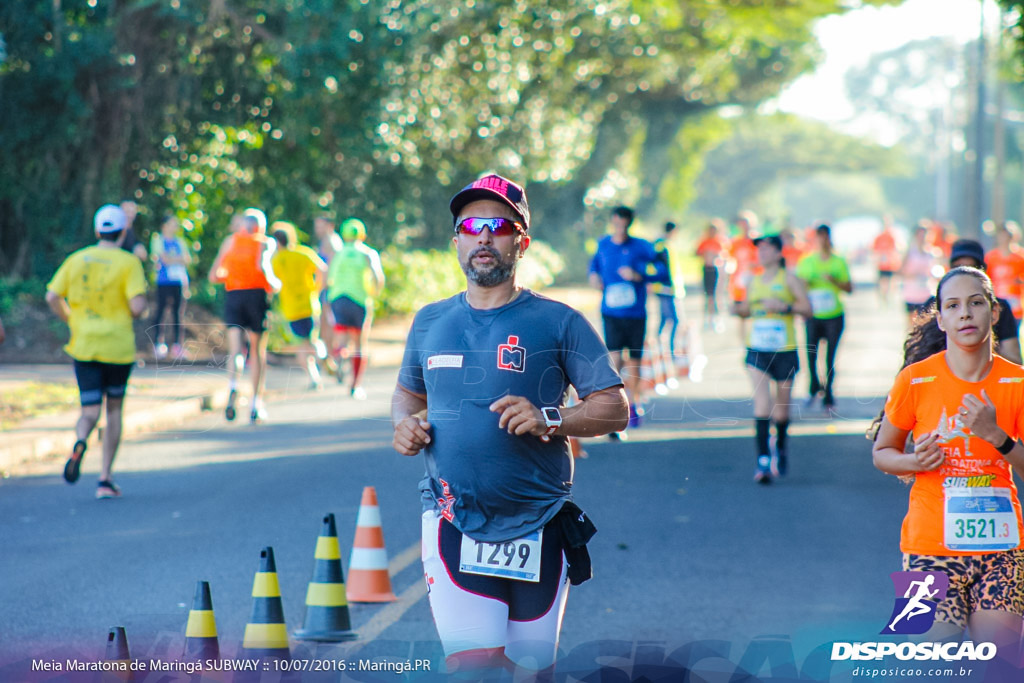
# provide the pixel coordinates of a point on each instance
(411, 435)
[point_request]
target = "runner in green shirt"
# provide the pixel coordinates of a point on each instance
(354, 277)
(827, 276)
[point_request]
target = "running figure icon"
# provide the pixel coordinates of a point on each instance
(917, 605)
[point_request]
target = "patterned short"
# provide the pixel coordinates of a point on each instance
(976, 582)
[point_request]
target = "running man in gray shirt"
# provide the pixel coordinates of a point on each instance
(481, 394)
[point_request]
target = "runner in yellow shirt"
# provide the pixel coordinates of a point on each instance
(301, 273)
(97, 291)
(773, 297)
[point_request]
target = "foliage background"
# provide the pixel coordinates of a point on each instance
(380, 109)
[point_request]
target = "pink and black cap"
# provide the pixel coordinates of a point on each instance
(498, 189)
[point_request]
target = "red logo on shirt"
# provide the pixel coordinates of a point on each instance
(512, 356)
(447, 502)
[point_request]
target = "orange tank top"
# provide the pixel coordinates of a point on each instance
(242, 263)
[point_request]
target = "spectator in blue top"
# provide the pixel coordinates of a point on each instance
(172, 258)
(619, 270)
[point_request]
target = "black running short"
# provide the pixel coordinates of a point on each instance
(246, 308)
(710, 280)
(779, 365)
(526, 601)
(302, 328)
(625, 333)
(347, 313)
(96, 379)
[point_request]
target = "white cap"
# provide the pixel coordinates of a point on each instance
(109, 218)
(259, 217)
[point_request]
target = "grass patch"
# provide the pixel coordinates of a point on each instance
(34, 399)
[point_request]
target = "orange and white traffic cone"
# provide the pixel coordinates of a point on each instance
(682, 359)
(660, 372)
(368, 579)
(647, 383)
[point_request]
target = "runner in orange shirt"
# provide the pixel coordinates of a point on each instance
(965, 408)
(743, 262)
(1005, 266)
(940, 237)
(792, 248)
(887, 256)
(243, 266)
(711, 250)
(743, 255)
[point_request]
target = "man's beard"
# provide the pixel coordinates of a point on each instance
(500, 271)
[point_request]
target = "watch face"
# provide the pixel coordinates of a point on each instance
(552, 415)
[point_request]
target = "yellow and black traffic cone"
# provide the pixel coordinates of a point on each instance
(327, 618)
(117, 654)
(265, 634)
(201, 631)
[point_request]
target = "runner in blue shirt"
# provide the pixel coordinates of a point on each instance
(619, 270)
(172, 257)
(481, 394)
(664, 289)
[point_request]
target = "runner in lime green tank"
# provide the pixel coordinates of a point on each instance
(827, 277)
(354, 277)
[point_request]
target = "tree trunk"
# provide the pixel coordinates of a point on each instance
(58, 25)
(559, 206)
(663, 119)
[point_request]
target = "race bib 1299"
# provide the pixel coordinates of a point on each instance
(518, 559)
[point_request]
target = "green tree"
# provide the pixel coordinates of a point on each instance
(376, 109)
(764, 151)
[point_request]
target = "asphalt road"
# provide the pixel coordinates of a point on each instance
(690, 553)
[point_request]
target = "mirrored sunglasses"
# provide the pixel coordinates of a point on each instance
(499, 227)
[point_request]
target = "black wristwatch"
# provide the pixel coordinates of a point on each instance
(1007, 445)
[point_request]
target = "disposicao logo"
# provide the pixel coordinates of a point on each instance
(917, 596)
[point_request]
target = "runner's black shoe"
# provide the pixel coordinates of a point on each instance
(763, 475)
(73, 467)
(229, 410)
(107, 489)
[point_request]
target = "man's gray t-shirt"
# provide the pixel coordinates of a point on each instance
(494, 486)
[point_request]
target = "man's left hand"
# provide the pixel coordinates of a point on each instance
(518, 416)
